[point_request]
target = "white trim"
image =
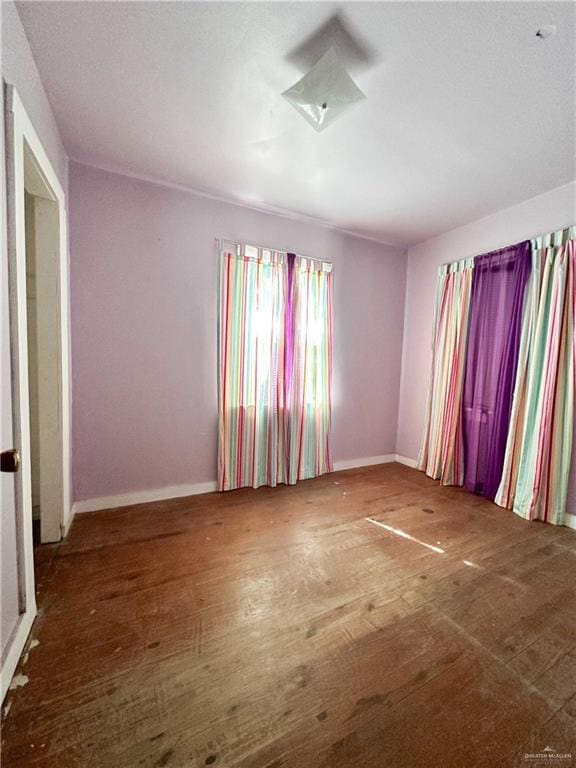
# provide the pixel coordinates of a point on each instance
(569, 520)
(19, 133)
(178, 491)
(366, 462)
(143, 497)
(194, 489)
(14, 149)
(22, 132)
(16, 646)
(406, 461)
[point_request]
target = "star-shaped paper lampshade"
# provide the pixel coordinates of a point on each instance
(325, 93)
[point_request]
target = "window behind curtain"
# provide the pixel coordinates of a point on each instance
(275, 342)
(251, 423)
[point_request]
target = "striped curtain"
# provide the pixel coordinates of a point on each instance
(275, 359)
(538, 451)
(308, 368)
(441, 452)
(253, 292)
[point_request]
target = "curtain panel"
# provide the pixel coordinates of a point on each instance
(538, 452)
(441, 452)
(275, 368)
(498, 291)
(500, 412)
(308, 369)
(251, 427)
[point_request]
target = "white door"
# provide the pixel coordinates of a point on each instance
(10, 607)
(17, 606)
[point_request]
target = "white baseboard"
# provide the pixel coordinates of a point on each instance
(15, 648)
(143, 497)
(406, 461)
(367, 462)
(570, 521)
(177, 491)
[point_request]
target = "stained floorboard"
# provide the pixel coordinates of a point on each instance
(281, 628)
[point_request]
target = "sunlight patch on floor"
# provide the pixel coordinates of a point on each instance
(404, 535)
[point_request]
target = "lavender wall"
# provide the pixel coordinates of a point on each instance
(19, 70)
(545, 213)
(144, 293)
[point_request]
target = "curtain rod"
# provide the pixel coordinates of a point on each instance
(565, 232)
(222, 240)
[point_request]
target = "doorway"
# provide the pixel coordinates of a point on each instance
(38, 409)
(44, 367)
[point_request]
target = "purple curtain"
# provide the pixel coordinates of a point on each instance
(498, 288)
(289, 333)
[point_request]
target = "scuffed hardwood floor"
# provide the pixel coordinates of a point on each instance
(278, 628)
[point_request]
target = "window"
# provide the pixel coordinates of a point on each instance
(275, 342)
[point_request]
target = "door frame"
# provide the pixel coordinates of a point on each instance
(20, 134)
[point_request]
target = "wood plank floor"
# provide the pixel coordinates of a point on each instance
(279, 628)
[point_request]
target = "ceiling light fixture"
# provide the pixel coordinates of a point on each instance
(324, 93)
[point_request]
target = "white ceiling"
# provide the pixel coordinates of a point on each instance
(467, 111)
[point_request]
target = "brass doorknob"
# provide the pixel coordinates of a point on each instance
(10, 461)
